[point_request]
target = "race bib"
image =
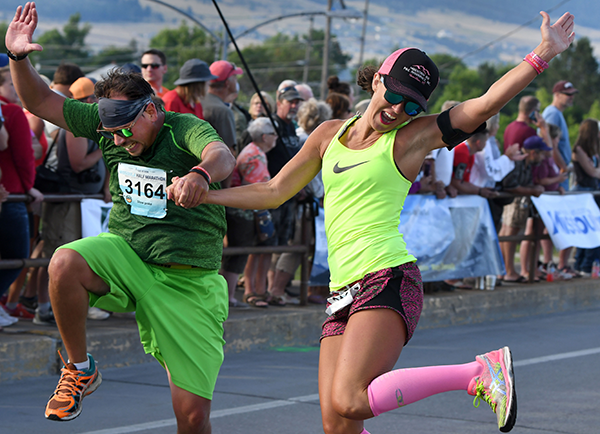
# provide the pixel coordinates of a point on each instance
(145, 189)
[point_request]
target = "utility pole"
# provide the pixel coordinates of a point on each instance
(307, 52)
(325, 69)
(362, 36)
(225, 44)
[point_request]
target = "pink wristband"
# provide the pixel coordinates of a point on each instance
(536, 62)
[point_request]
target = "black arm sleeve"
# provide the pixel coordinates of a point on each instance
(451, 136)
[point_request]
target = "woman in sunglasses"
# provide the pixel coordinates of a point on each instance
(368, 164)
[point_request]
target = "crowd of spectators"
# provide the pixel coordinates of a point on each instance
(207, 91)
(537, 158)
(532, 157)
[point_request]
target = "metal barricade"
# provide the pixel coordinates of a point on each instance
(304, 248)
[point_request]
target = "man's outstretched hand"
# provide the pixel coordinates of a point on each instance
(20, 31)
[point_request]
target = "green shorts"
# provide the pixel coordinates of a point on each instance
(180, 313)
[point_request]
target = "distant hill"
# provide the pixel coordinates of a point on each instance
(587, 12)
(94, 11)
(456, 27)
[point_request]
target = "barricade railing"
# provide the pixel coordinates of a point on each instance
(304, 248)
(538, 234)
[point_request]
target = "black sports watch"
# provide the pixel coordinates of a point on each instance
(15, 57)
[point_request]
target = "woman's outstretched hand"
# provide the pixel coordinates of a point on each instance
(556, 38)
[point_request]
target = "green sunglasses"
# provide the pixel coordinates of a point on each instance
(411, 108)
(122, 132)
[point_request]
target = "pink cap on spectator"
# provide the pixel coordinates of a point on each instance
(224, 69)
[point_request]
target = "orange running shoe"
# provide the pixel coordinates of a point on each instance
(73, 386)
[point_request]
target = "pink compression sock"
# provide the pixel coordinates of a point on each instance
(364, 431)
(405, 386)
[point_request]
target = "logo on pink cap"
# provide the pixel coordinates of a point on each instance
(419, 73)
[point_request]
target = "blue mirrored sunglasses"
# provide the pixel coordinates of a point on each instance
(411, 108)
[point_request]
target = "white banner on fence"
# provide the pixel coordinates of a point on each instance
(571, 220)
(94, 217)
(451, 239)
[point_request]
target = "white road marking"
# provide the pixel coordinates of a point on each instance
(307, 398)
(213, 415)
(555, 357)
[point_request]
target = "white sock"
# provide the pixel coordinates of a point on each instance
(11, 306)
(43, 307)
(82, 366)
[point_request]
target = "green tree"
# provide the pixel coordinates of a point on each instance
(446, 64)
(3, 29)
(66, 46)
(463, 83)
(117, 55)
(181, 44)
(375, 63)
(544, 95)
(282, 57)
(594, 112)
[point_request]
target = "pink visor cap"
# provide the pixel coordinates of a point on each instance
(410, 72)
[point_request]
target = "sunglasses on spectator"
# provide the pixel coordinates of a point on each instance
(411, 108)
(272, 133)
(152, 65)
(121, 132)
(233, 68)
(285, 89)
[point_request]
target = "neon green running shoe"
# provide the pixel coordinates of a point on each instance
(496, 386)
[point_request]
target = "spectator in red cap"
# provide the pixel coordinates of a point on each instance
(368, 164)
(216, 102)
(563, 94)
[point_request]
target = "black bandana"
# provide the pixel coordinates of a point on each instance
(115, 113)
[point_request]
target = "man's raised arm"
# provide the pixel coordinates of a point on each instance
(35, 95)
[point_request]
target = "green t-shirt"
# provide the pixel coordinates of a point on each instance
(186, 236)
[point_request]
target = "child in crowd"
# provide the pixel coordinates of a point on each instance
(548, 175)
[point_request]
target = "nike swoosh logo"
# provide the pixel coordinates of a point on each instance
(338, 169)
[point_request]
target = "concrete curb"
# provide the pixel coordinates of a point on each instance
(28, 351)
(469, 307)
(298, 326)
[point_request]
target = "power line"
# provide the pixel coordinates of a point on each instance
(506, 35)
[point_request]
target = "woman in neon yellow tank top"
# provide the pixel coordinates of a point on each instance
(368, 164)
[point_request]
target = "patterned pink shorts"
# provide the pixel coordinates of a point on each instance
(403, 293)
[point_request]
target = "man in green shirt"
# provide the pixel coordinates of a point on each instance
(161, 255)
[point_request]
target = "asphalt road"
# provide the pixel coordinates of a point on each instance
(556, 359)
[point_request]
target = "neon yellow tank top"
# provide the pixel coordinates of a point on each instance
(364, 195)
